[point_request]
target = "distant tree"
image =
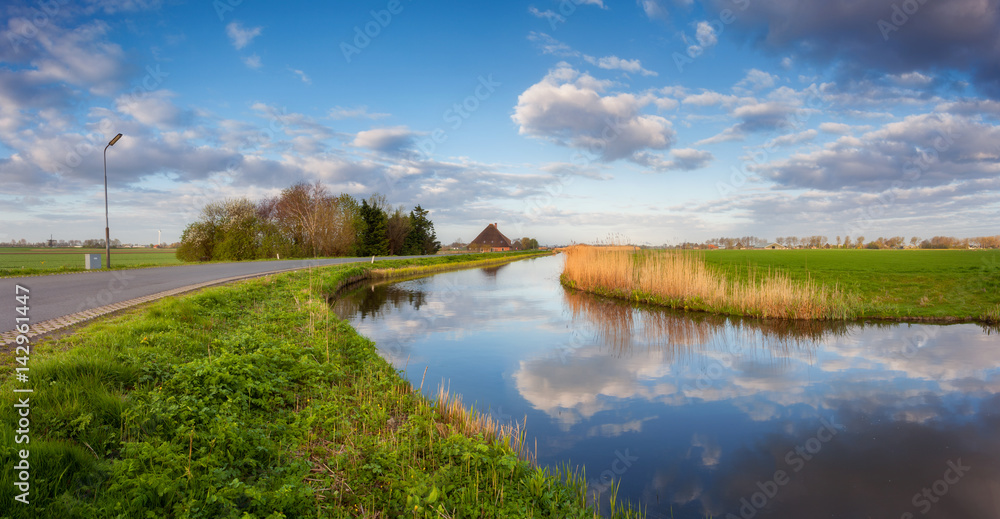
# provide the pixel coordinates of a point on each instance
(304, 220)
(838, 242)
(199, 238)
(989, 242)
(375, 241)
(422, 238)
(940, 242)
(860, 242)
(239, 231)
(914, 241)
(398, 228)
(895, 242)
(315, 222)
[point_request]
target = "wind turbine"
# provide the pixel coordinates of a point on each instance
(158, 237)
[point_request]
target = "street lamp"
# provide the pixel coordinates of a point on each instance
(107, 231)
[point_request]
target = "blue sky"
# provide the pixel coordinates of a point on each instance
(655, 121)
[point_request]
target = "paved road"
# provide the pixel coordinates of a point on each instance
(63, 294)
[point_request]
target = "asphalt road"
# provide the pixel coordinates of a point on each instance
(59, 295)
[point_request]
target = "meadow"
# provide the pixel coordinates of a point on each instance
(255, 400)
(16, 261)
(913, 283)
(918, 285)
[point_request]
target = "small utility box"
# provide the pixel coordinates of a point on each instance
(93, 261)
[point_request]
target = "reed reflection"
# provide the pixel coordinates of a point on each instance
(624, 330)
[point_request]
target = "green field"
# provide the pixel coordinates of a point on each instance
(935, 284)
(16, 261)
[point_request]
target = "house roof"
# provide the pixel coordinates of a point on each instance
(491, 237)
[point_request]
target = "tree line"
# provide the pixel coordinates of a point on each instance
(846, 242)
(520, 244)
(306, 220)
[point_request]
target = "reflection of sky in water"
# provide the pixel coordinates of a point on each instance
(698, 414)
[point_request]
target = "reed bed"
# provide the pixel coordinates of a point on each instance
(681, 279)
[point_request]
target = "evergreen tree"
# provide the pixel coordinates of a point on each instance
(375, 241)
(422, 239)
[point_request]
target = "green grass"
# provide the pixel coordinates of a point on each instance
(925, 284)
(254, 400)
(30, 262)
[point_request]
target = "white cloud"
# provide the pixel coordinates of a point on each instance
(684, 159)
(151, 109)
(920, 151)
(302, 75)
(911, 79)
(791, 139)
(616, 63)
(241, 36)
(764, 116)
(666, 103)
(392, 139)
(568, 108)
(550, 45)
(710, 98)
(835, 128)
(755, 81)
(553, 17)
(705, 34)
(253, 61)
(359, 112)
(654, 9)
(971, 107)
(80, 57)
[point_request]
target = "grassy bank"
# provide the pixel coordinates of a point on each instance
(894, 284)
(254, 400)
(916, 285)
(35, 262)
(683, 280)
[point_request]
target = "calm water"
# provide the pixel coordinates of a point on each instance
(697, 416)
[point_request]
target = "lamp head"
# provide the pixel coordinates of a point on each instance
(113, 141)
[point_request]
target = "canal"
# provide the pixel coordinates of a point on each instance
(693, 415)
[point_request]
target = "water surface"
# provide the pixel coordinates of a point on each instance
(694, 415)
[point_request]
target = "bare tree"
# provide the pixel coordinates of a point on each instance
(318, 223)
(399, 226)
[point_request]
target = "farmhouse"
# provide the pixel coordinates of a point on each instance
(491, 240)
(776, 246)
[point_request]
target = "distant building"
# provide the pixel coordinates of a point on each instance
(491, 240)
(776, 246)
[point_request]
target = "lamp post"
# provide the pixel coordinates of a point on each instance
(107, 231)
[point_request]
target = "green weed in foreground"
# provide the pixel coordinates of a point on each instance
(254, 400)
